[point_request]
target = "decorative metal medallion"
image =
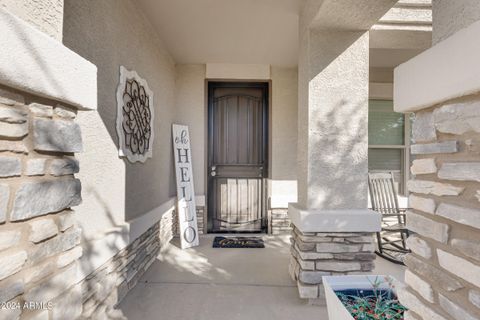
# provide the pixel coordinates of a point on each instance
(134, 117)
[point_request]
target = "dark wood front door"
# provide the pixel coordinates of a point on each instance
(237, 162)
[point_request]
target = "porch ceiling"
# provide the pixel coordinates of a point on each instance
(391, 58)
(227, 31)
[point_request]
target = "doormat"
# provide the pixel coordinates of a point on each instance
(238, 242)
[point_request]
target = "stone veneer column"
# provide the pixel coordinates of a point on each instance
(443, 276)
(39, 241)
(318, 254)
(332, 228)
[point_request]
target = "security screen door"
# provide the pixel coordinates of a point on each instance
(237, 157)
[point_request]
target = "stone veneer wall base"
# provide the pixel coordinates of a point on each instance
(279, 221)
(106, 287)
(200, 221)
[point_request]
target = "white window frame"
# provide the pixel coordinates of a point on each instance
(405, 148)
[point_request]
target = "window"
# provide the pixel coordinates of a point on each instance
(388, 141)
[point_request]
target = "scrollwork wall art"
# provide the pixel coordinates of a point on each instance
(134, 117)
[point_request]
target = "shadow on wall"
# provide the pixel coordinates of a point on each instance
(340, 152)
(335, 153)
(350, 145)
(329, 46)
(24, 73)
(112, 33)
(97, 287)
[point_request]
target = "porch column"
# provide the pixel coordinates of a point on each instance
(333, 229)
(333, 121)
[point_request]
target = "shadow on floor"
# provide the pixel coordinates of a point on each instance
(205, 283)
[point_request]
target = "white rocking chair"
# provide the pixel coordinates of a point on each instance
(391, 240)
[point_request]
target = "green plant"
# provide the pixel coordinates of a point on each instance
(374, 303)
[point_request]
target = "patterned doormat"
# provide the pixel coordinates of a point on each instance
(238, 242)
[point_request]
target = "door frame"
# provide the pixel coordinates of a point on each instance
(210, 85)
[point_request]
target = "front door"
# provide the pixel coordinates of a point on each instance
(237, 157)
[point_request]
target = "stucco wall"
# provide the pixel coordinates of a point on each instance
(283, 157)
(191, 110)
(113, 33)
(451, 16)
(109, 34)
(190, 106)
(332, 119)
(46, 15)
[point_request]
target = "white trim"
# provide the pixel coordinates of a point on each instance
(34, 62)
(335, 308)
(200, 200)
(386, 146)
(238, 71)
(281, 193)
(140, 225)
(123, 151)
(406, 154)
(107, 245)
(339, 220)
(449, 70)
(98, 251)
(282, 201)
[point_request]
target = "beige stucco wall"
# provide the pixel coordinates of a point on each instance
(46, 15)
(113, 33)
(283, 156)
(451, 16)
(191, 110)
(380, 83)
(332, 119)
(109, 34)
(190, 106)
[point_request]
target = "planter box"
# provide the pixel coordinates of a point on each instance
(336, 309)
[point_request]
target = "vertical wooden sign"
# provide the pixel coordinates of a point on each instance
(186, 209)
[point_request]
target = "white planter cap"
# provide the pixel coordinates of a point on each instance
(341, 220)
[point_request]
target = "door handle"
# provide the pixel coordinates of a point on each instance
(213, 171)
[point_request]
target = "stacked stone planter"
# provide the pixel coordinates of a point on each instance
(39, 242)
(317, 254)
(443, 274)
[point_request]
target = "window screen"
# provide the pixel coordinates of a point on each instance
(385, 159)
(385, 127)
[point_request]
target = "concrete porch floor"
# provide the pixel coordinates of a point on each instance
(204, 283)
